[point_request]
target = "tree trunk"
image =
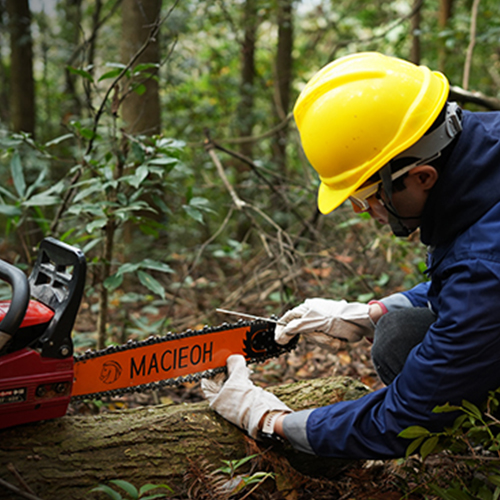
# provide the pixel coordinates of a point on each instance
(66, 457)
(445, 12)
(22, 85)
(141, 111)
(283, 78)
(415, 32)
(245, 110)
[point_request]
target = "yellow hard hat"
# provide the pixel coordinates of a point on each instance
(359, 112)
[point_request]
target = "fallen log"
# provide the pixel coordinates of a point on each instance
(66, 457)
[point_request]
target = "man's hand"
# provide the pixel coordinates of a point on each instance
(339, 319)
(238, 399)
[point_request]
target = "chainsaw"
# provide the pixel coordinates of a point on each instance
(39, 373)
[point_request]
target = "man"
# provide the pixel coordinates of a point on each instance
(380, 133)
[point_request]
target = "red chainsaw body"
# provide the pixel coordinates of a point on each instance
(33, 388)
(36, 363)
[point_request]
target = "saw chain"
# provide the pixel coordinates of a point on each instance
(173, 359)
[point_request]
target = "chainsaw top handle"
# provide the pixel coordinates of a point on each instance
(19, 302)
(58, 281)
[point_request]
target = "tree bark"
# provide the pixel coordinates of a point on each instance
(245, 112)
(284, 62)
(22, 85)
(141, 112)
(445, 13)
(66, 457)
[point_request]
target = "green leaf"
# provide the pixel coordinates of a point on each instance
(10, 210)
(150, 487)
(58, 140)
(415, 431)
(111, 74)
(16, 170)
(42, 199)
(145, 66)
(412, 448)
(156, 266)
(113, 282)
(447, 408)
(151, 283)
(428, 446)
(473, 409)
(97, 224)
(194, 213)
(130, 489)
(494, 479)
(140, 89)
(81, 72)
(109, 491)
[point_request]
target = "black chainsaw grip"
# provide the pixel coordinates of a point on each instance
(20, 297)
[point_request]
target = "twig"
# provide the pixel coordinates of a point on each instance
(416, 7)
(20, 478)
(18, 491)
(209, 146)
(472, 42)
(307, 226)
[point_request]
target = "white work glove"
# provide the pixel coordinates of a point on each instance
(238, 399)
(334, 318)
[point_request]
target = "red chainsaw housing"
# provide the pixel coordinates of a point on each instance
(36, 364)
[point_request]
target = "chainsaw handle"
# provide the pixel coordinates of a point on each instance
(20, 297)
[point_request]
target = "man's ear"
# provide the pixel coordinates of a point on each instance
(425, 175)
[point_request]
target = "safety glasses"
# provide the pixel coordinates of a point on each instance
(360, 196)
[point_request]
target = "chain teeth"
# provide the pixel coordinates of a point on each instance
(179, 381)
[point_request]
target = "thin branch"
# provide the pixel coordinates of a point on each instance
(209, 146)
(18, 491)
(472, 43)
(416, 7)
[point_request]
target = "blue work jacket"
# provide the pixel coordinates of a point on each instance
(459, 358)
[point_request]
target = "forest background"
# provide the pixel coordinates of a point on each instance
(157, 136)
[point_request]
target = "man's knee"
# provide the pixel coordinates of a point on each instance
(396, 334)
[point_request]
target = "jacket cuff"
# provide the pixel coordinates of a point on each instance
(295, 429)
(395, 302)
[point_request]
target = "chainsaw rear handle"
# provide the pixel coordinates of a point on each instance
(19, 302)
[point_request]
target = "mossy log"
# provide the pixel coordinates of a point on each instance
(66, 457)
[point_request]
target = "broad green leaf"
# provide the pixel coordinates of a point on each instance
(156, 266)
(446, 408)
(473, 409)
(413, 432)
(194, 213)
(110, 74)
(128, 267)
(114, 495)
(97, 224)
(10, 210)
(495, 479)
(113, 282)
(130, 489)
(42, 199)
(428, 446)
(97, 187)
(151, 283)
(140, 89)
(16, 170)
(150, 487)
(412, 448)
(145, 66)
(81, 72)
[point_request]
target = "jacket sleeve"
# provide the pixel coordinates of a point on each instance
(457, 360)
(416, 297)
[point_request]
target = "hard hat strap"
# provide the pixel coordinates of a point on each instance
(429, 147)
